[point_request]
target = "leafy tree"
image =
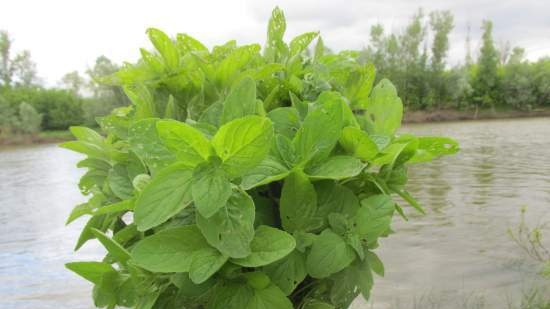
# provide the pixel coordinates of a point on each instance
(21, 67)
(486, 79)
(24, 69)
(73, 82)
(442, 24)
(6, 71)
(8, 118)
(255, 180)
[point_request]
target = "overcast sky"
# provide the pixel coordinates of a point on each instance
(66, 35)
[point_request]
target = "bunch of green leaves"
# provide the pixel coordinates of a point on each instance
(240, 179)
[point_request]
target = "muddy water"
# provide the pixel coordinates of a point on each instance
(456, 256)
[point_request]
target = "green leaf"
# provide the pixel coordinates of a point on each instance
(86, 234)
(364, 278)
(320, 130)
(337, 167)
(241, 101)
(243, 143)
(120, 183)
(115, 249)
(165, 46)
(269, 245)
(87, 135)
(269, 170)
(91, 271)
(89, 149)
(147, 145)
(384, 109)
(116, 207)
(189, 144)
(329, 255)
(269, 298)
(142, 99)
(374, 217)
(288, 272)
(375, 263)
(298, 202)
(210, 189)
(169, 250)
(334, 198)
(358, 143)
(231, 229)
(301, 42)
(105, 291)
(148, 301)
(205, 263)
(231, 295)
(286, 121)
(188, 44)
(166, 195)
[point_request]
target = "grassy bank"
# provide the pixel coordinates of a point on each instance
(39, 138)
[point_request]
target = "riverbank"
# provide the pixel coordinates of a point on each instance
(44, 137)
(458, 115)
(442, 115)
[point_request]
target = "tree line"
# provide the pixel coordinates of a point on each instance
(415, 59)
(499, 77)
(28, 107)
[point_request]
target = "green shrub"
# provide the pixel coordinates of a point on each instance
(30, 119)
(244, 180)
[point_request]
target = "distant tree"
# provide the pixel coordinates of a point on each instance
(410, 42)
(486, 79)
(441, 22)
(24, 69)
(504, 51)
(6, 72)
(517, 55)
(106, 94)
(21, 67)
(30, 119)
(73, 82)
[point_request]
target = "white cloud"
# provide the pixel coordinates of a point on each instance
(65, 35)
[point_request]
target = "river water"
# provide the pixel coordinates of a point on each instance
(456, 256)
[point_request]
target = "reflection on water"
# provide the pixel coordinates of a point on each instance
(459, 252)
(37, 192)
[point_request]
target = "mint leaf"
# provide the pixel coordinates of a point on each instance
(320, 130)
(374, 217)
(358, 143)
(329, 254)
(269, 245)
(243, 143)
(336, 167)
(241, 101)
(169, 250)
(91, 271)
(205, 263)
(384, 109)
(166, 195)
(231, 229)
(298, 202)
(210, 189)
(188, 144)
(288, 272)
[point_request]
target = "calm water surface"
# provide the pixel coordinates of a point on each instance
(458, 253)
